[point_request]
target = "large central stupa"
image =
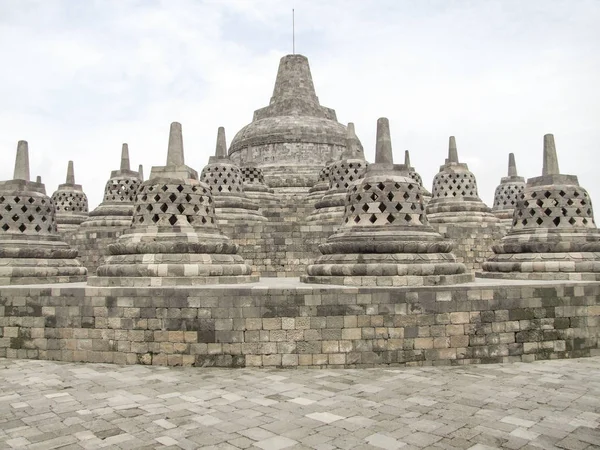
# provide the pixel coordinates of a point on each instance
(294, 137)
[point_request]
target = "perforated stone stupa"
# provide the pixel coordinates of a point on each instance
(31, 251)
(508, 192)
(412, 173)
(454, 197)
(342, 174)
(255, 186)
(385, 238)
(226, 183)
(174, 239)
(70, 203)
(293, 137)
(116, 208)
(111, 218)
(554, 235)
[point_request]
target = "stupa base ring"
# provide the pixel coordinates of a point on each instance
(406, 280)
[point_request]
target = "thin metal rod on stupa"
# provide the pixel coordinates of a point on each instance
(22, 162)
(293, 32)
(383, 146)
(221, 148)
(70, 173)
(407, 158)
(175, 152)
(452, 151)
(512, 165)
(141, 172)
(125, 157)
(550, 166)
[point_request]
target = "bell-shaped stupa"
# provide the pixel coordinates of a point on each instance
(254, 185)
(293, 137)
(553, 234)
(412, 172)
(174, 239)
(385, 238)
(342, 174)
(507, 193)
(454, 197)
(70, 203)
(116, 208)
(31, 250)
(227, 187)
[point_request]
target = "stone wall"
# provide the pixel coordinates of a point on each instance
(288, 324)
(472, 243)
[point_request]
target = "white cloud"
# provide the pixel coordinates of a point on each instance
(80, 78)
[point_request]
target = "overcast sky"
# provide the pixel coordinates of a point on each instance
(78, 78)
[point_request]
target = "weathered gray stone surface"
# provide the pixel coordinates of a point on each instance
(293, 137)
(554, 235)
(508, 193)
(174, 239)
(549, 404)
(70, 204)
(111, 218)
(226, 183)
(31, 251)
(385, 238)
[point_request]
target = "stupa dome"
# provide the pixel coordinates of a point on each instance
(294, 137)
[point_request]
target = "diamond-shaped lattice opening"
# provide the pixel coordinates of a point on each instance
(585, 221)
(164, 188)
(156, 198)
(30, 218)
(44, 219)
(37, 228)
(155, 218)
(15, 218)
(373, 218)
(181, 208)
(203, 220)
(578, 211)
(357, 219)
(381, 207)
(411, 187)
(547, 194)
(164, 207)
(22, 228)
(17, 199)
(532, 212)
(564, 212)
(540, 221)
(196, 209)
(539, 202)
(547, 211)
(406, 196)
(180, 188)
(556, 221)
(31, 200)
(575, 194)
(5, 227)
(572, 221)
(141, 219)
(365, 207)
(367, 186)
(24, 208)
(173, 219)
(562, 193)
(413, 206)
(398, 206)
(390, 218)
(8, 208)
(173, 197)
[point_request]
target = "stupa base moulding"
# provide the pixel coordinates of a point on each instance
(283, 323)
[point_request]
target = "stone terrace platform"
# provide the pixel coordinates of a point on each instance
(285, 323)
(546, 404)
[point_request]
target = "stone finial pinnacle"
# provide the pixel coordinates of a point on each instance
(294, 80)
(452, 151)
(352, 150)
(512, 165)
(550, 166)
(141, 172)
(221, 149)
(70, 173)
(407, 158)
(22, 162)
(125, 157)
(383, 146)
(38, 179)
(175, 152)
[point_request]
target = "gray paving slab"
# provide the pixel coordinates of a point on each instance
(546, 404)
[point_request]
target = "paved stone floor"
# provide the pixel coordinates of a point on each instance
(549, 404)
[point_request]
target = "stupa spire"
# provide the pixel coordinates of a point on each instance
(22, 162)
(294, 80)
(383, 147)
(452, 151)
(550, 159)
(70, 173)
(407, 158)
(175, 152)
(38, 179)
(221, 149)
(512, 165)
(125, 157)
(141, 172)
